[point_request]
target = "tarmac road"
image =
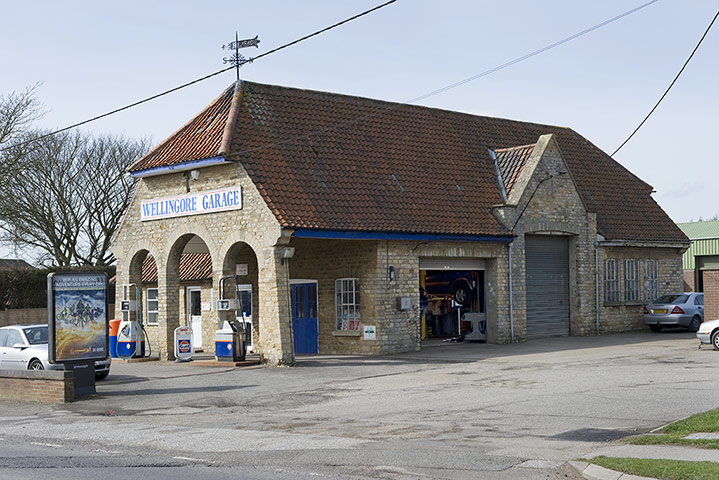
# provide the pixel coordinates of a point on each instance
(450, 411)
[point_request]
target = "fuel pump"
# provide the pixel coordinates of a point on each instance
(230, 334)
(130, 335)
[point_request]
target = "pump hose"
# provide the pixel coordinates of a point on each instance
(147, 340)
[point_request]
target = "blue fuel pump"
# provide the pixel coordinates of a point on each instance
(131, 332)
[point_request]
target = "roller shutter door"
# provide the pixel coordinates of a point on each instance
(547, 267)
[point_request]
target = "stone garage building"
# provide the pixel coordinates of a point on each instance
(351, 225)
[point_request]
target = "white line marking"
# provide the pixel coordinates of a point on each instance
(46, 444)
(191, 459)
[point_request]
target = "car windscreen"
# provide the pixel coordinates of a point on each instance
(672, 299)
(36, 335)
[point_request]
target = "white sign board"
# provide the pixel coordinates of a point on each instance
(192, 204)
(206, 306)
(241, 269)
(370, 332)
(183, 344)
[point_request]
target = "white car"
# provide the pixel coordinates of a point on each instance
(24, 347)
(709, 333)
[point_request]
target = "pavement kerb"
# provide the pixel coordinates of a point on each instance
(591, 471)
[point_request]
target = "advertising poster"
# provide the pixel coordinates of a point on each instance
(77, 322)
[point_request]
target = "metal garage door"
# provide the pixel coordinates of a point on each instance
(547, 263)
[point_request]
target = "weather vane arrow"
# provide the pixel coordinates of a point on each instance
(236, 59)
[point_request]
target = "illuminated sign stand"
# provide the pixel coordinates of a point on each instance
(78, 325)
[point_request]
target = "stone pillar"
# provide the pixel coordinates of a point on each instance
(275, 339)
(168, 293)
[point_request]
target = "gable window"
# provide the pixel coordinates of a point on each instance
(611, 280)
(152, 306)
(651, 280)
(347, 301)
(631, 280)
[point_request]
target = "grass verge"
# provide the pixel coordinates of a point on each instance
(707, 422)
(662, 469)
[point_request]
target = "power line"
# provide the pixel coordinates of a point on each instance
(670, 86)
(250, 60)
(532, 54)
(456, 84)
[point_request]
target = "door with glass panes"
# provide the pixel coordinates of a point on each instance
(244, 314)
(304, 317)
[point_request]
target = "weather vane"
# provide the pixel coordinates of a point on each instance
(236, 59)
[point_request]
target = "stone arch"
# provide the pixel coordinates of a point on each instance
(181, 231)
(242, 253)
(173, 311)
(129, 267)
(237, 236)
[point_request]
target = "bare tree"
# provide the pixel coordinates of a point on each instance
(66, 194)
(18, 110)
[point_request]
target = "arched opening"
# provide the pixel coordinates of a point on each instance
(188, 292)
(241, 262)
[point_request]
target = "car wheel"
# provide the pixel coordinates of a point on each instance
(695, 323)
(715, 340)
(102, 375)
(462, 295)
(35, 364)
(655, 328)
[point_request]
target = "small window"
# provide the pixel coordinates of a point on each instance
(13, 338)
(631, 280)
(651, 280)
(347, 300)
(152, 306)
(672, 299)
(36, 335)
(611, 280)
(3, 337)
(699, 300)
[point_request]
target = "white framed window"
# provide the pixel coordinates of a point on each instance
(151, 306)
(347, 301)
(611, 280)
(631, 280)
(651, 280)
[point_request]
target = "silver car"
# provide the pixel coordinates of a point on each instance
(675, 310)
(709, 333)
(25, 347)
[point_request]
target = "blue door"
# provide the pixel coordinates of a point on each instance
(304, 317)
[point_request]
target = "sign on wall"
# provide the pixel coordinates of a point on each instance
(370, 332)
(192, 204)
(77, 317)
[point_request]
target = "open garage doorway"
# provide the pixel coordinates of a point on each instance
(452, 299)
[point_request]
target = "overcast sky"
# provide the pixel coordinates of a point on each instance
(92, 57)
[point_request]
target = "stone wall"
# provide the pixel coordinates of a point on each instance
(37, 386)
(688, 280)
(254, 225)
(545, 201)
(627, 315)
(326, 261)
(397, 330)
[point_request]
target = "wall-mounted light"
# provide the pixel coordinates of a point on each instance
(195, 175)
(286, 254)
(390, 274)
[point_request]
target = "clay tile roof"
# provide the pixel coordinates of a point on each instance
(511, 161)
(200, 138)
(337, 162)
(193, 266)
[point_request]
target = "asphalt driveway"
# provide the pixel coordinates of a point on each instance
(448, 411)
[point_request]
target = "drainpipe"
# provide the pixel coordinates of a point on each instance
(596, 282)
(511, 307)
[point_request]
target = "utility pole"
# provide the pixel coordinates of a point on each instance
(237, 59)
